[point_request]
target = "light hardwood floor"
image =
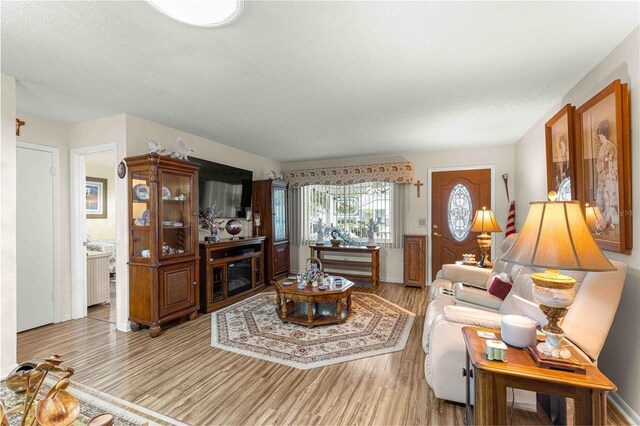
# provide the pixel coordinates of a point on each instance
(179, 374)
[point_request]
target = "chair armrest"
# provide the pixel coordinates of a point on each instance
(466, 274)
(476, 296)
(474, 317)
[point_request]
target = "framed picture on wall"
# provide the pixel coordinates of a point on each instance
(559, 135)
(96, 198)
(604, 165)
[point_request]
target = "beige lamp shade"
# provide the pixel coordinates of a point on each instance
(555, 236)
(485, 221)
(593, 217)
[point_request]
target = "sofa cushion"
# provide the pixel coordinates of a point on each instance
(476, 296)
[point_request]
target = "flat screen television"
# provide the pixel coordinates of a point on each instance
(226, 186)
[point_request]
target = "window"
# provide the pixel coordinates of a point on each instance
(350, 207)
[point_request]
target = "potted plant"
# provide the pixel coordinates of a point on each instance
(208, 222)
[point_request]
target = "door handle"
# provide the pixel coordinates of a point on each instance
(195, 283)
(435, 234)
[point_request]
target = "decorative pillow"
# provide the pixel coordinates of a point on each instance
(500, 288)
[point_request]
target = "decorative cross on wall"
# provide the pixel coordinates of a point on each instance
(418, 184)
(19, 123)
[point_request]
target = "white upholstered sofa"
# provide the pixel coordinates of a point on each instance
(586, 324)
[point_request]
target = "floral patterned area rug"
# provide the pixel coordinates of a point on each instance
(92, 403)
(252, 327)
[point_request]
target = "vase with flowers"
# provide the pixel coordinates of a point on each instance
(208, 222)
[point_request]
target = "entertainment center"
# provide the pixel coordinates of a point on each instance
(230, 271)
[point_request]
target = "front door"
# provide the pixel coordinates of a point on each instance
(455, 196)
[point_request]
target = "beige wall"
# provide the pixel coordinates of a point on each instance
(391, 263)
(104, 229)
(139, 129)
(8, 301)
(620, 358)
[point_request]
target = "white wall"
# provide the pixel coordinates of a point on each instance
(391, 263)
(103, 229)
(620, 358)
(8, 325)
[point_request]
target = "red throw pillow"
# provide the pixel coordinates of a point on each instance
(500, 288)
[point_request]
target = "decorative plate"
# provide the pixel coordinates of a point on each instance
(141, 191)
(287, 283)
(145, 217)
(122, 169)
(166, 194)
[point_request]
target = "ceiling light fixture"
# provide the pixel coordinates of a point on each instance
(212, 13)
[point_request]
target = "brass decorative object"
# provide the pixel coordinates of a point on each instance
(58, 407)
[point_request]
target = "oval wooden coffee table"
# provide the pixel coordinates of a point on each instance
(311, 306)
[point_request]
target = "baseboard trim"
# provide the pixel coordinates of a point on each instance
(123, 327)
(624, 408)
(65, 318)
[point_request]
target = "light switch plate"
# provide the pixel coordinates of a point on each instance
(422, 222)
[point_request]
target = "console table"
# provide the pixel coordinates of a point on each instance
(231, 270)
(492, 378)
(339, 265)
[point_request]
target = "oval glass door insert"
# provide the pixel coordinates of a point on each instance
(459, 212)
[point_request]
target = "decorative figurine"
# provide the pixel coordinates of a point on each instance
(182, 150)
(319, 229)
(154, 147)
(371, 230)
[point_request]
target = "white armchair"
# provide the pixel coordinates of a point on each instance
(454, 306)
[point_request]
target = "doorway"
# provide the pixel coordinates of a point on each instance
(96, 196)
(37, 235)
(455, 196)
(100, 242)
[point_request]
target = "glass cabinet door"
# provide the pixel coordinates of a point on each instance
(140, 215)
(279, 214)
(174, 191)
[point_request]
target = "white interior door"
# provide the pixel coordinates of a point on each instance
(35, 239)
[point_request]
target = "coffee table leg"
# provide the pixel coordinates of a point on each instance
(310, 311)
(349, 303)
(284, 307)
(278, 299)
(339, 309)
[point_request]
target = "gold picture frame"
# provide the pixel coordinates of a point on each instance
(604, 164)
(560, 142)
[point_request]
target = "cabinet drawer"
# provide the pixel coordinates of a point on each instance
(177, 287)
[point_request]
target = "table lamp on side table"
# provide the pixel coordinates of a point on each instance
(485, 222)
(555, 236)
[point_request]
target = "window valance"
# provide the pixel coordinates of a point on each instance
(348, 175)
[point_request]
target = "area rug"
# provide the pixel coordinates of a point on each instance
(252, 327)
(92, 403)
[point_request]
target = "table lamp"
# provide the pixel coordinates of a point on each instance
(555, 236)
(485, 222)
(594, 219)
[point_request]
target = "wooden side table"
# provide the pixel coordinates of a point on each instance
(492, 378)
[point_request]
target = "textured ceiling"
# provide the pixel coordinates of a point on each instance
(307, 80)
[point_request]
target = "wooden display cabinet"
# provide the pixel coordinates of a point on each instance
(415, 255)
(231, 270)
(270, 199)
(163, 241)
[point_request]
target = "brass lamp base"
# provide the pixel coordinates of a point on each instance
(555, 293)
(484, 242)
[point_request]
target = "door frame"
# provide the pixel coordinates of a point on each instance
(430, 172)
(56, 221)
(78, 228)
